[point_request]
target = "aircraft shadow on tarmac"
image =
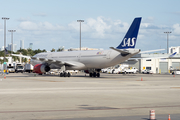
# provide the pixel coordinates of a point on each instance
(81, 75)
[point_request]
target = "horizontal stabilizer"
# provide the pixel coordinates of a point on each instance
(124, 51)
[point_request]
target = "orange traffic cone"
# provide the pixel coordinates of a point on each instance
(169, 117)
(141, 79)
(4, 77)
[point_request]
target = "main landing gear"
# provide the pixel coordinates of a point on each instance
(65, 74)
(94, 74)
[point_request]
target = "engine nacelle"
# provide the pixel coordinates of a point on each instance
(41, 68)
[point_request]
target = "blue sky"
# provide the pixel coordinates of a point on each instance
(52, 23)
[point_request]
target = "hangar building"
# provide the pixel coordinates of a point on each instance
(156, 65)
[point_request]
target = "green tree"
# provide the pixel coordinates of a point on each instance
(60, 49)
(24, 60)
(2, 60)
(53, 50)
(15, 58)
(44, 50)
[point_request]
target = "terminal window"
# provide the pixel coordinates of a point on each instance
(148, 60)
(148, 68)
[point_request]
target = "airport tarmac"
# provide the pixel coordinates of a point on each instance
(110, 97)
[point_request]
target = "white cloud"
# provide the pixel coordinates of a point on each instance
(95, 30)
(176, 29)
(148, 20)
(24, 19)
(100, 27)
(29, 25)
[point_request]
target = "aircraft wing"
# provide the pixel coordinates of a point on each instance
(160, 57)
(152, 51)
(19, 55)
(146, 58)
(52, 61)
(56, 64)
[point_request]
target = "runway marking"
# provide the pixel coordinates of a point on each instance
(89, 108)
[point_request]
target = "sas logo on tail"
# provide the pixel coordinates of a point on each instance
(128, 42)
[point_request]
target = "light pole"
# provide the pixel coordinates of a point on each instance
(4, 18)
(167, 39)
(80, 30)
(12, 39)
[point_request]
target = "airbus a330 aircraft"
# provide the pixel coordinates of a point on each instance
(90, 61)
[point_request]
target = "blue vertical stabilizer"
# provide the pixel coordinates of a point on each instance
(130, 38)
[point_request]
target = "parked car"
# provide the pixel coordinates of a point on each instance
(131, 70)
(146, 71)
(104, 70)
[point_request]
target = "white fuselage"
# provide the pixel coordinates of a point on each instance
(84, 60)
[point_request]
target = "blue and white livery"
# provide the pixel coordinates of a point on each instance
(90, 61)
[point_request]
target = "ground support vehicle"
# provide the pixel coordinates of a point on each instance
(175, 72)
(11, 69)
(132, 70)
(28, 68)
(146, 71)
(19, 68)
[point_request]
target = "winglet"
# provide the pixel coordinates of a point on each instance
(130, 38)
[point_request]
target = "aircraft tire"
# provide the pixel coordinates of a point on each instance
(61, 75)
(94, 74)
(65, 74)
(98, 75)
(90, 74)
(68, 75)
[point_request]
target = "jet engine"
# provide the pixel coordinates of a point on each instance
(41, 68)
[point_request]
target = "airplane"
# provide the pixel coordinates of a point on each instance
(90, 61)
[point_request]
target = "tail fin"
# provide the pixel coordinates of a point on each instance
(130, 38)
(173, 54)
(6, 52)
